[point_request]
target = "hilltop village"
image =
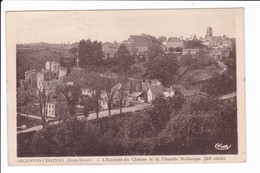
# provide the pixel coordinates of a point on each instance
(143, 95)
(143, 87)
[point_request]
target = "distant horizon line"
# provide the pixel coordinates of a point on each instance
(75, 42)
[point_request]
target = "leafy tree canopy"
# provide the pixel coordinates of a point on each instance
(163, 68)
(89, 53)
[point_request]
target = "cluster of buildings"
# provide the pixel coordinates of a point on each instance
(136, 45)
(218, 46)
(139, 90)
(45, 79)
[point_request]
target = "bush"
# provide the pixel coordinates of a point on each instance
(195, 131)
(199, 103)
(185, 134)
(141, 146)
(140, 125)
(69, 138)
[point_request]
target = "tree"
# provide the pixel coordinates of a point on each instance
(222, 84)
(163, 108)
(154, 51)
(176, 102)
(185, 134)
(186, 60)
(68, 138)
(90, 53)
(125, 60)
(163, 68)
(178, 49)
(231, 64)
(123, 91)
(162, 39)
(45, 94)
(110, 87)
(72, 94)
(24, 96)
(199, 103)
(94, 84)
(88, 106)
(171, 49)
(161, 111)
(74, 51)
(201, 60)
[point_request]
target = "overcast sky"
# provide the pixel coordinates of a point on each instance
(71, 26)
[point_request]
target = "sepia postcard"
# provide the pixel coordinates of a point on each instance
(161, 86)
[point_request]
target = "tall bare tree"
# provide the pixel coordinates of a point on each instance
(72, 93)
(110, 86)
(123, 91)
(94, 85)
(44, 95)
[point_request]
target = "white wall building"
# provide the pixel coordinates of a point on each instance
(153, 91)
(55, 66)
(48, 65)
(168, 92)
(50, 109)
(62, 72)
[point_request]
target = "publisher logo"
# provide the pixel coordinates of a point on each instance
(219, 146)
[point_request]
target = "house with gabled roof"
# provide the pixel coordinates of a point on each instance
(140, 43)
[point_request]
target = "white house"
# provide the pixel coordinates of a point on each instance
(55, 66)
(137, 97)
(62, 72)
(168, 92)
(50, 109)
(30, 76)
(190, 51)
(174, 42)
(48, 65)
(153, 91)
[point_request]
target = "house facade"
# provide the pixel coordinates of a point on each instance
(168, 92)
(219, 53)
(174, 42)
(190, 51)
(141, 43)
(48, 65)
(220, 42)
(153, 92)
(30, 76)
(137, 97)
(50, 109)
(55, 66)
(62, 72)
(52, 66)
(109, 50)
(42, 78)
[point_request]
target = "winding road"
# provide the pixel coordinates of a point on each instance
(90, 117)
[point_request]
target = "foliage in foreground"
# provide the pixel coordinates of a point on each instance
(185, 132)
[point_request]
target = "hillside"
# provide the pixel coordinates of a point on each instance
(35, 59)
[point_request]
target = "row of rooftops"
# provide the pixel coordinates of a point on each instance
(146, 40)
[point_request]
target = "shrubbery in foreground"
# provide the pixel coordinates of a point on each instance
(189, 131)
